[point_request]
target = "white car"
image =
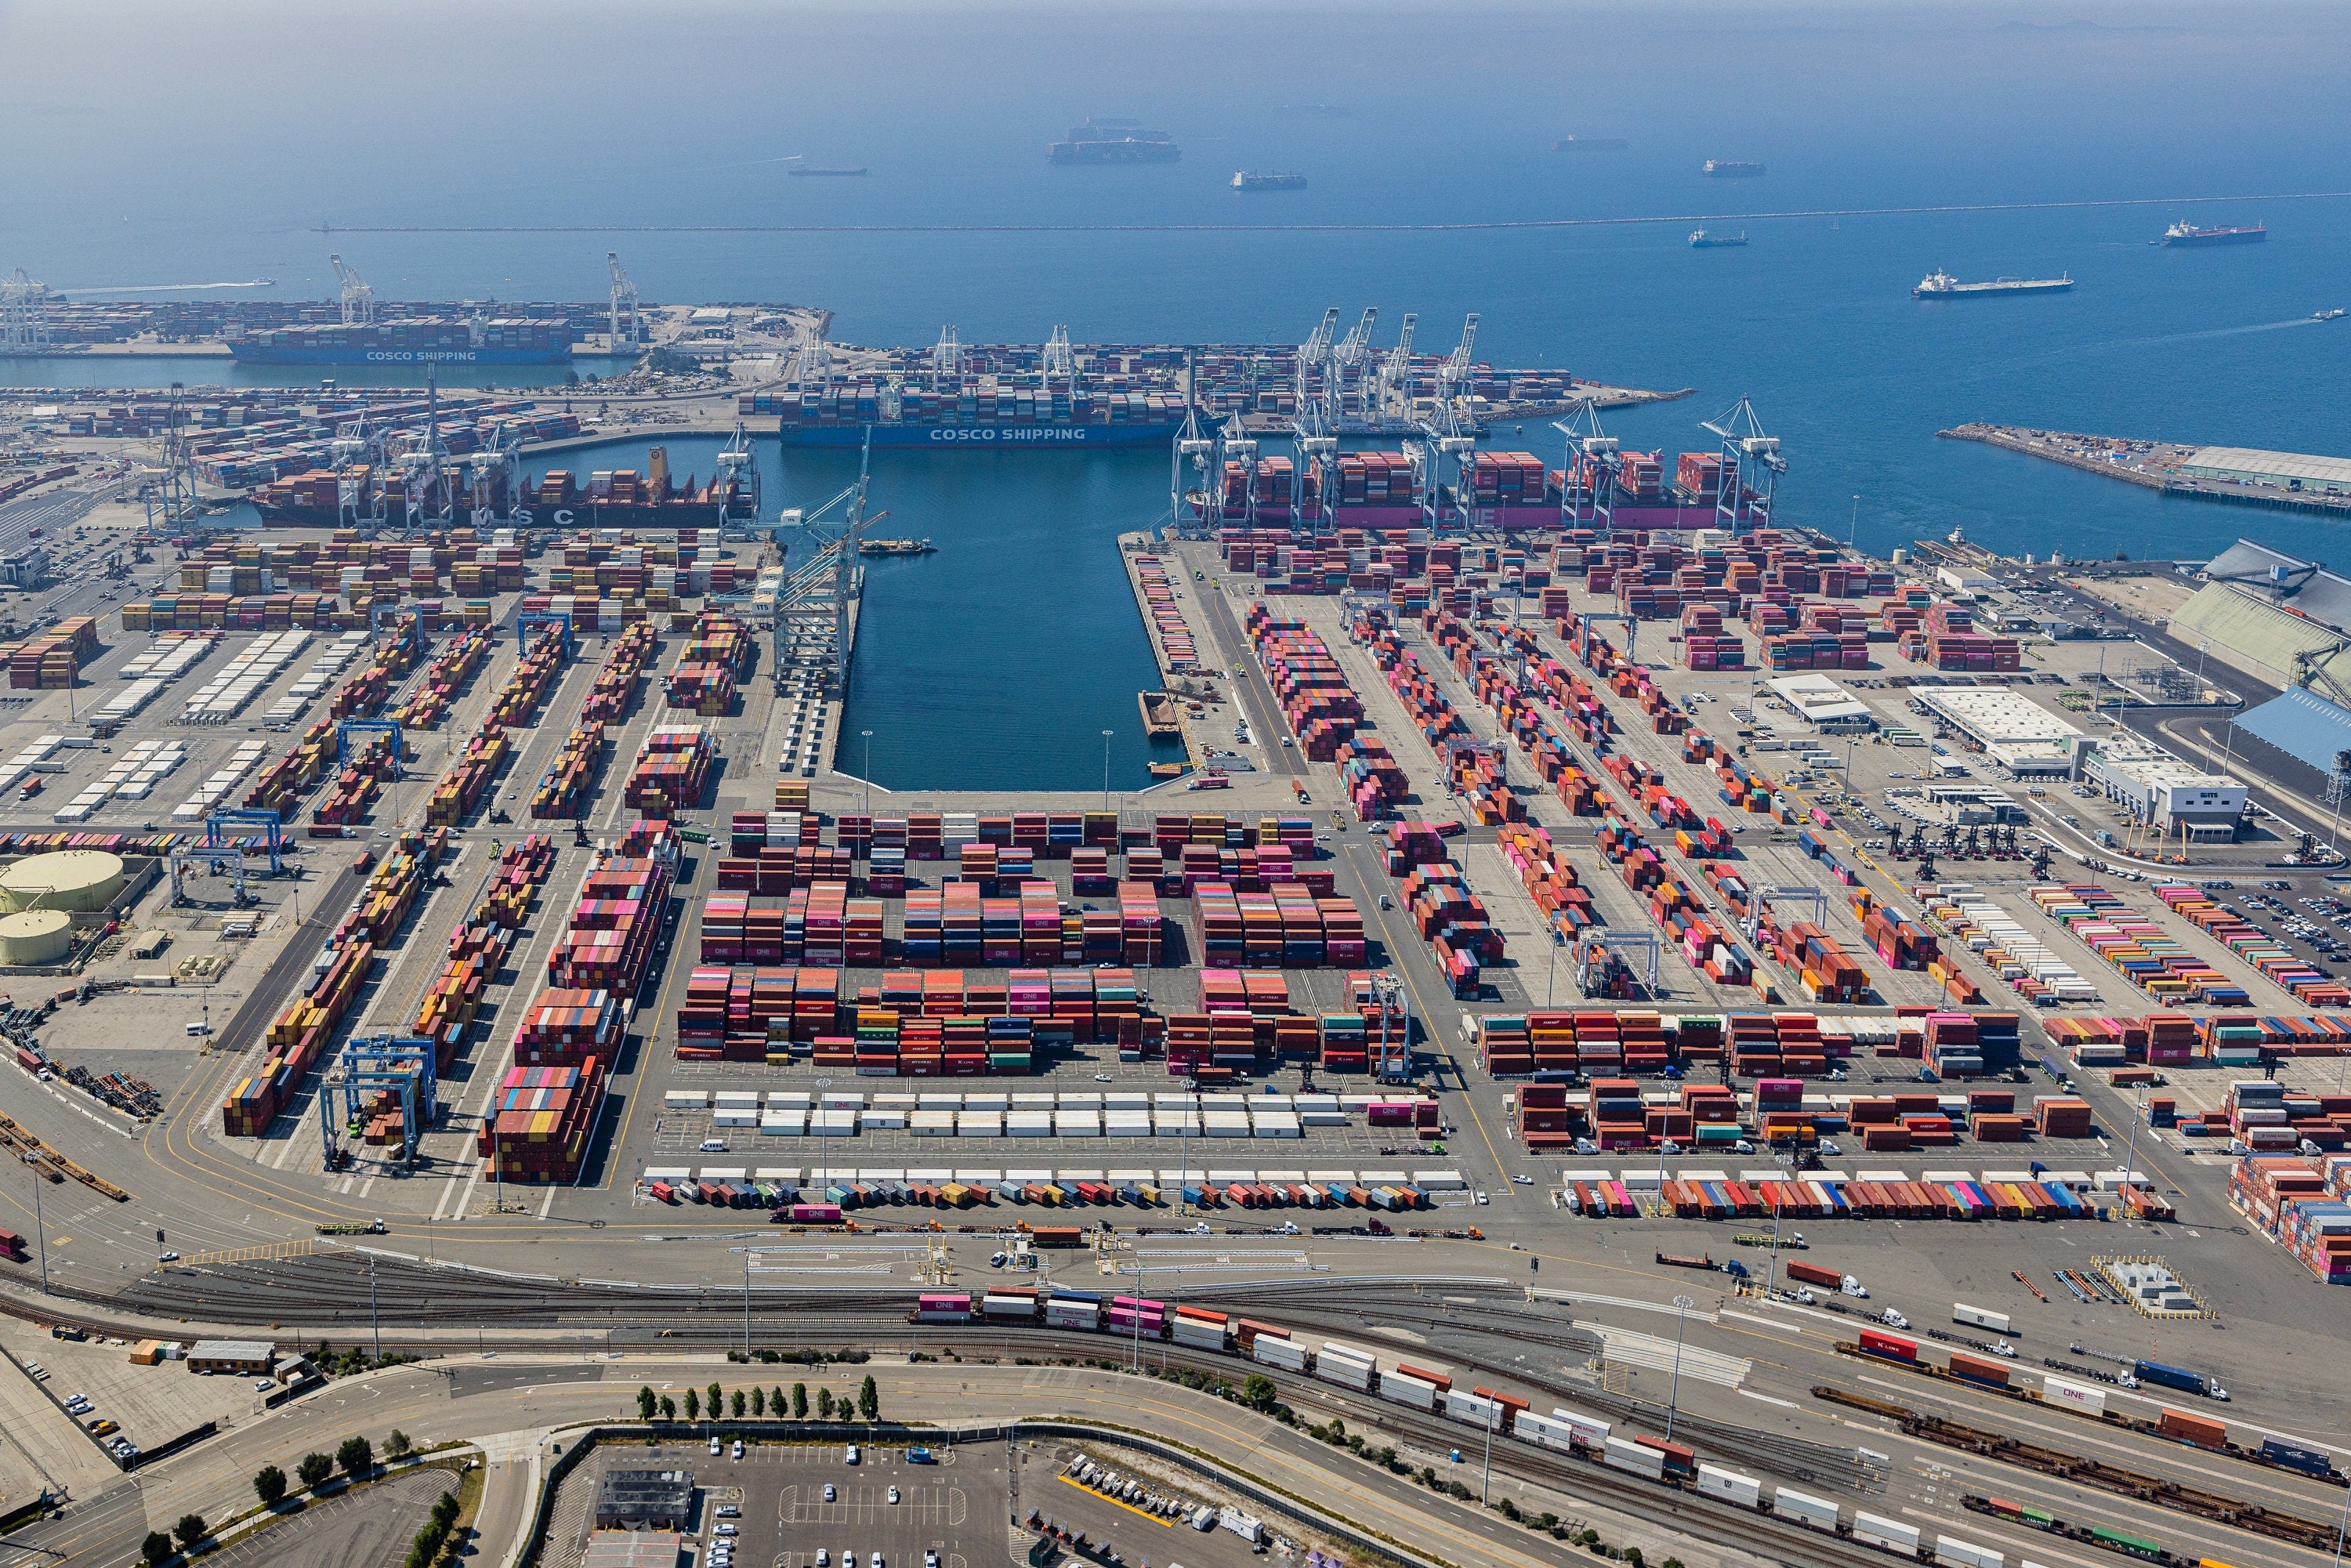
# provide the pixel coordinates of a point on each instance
(739, 1447)
(263, 1385)
(851, 1457)
(824, 1557)
(713, 1447)
(728, 1511)
(893, 1494)
(828, 1493)
(729, 1530)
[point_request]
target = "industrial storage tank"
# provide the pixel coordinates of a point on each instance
(35, 936)
(63, 879)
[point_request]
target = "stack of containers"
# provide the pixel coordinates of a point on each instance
(540, 1122)
(671, 772)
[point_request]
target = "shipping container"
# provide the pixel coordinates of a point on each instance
(2079, 1397)
(1890, 1534)
(1977, 1317)
(1618, 1454)
(1803, 1507)
(1728, 1486)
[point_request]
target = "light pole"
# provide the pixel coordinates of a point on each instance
(1550, 971)
(1185, 1114)
(865, 794)
(2130, 1154)
(1853, 530)
(1682, 1304)
(2341, 779)
(2340, 1526)
(1134, 1354)
(1493, 1409)
(746, 1304)
(1106, 735)
(375, 1323)
(40, 1231)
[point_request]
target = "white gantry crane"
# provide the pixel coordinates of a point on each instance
(1351, 357)
(627, 326)
(1058, 360)
(1314, 360)
(359, 299)
(1395, 370)
(24, 315)
(947, 361)
(1751, 467)
(1592, 463)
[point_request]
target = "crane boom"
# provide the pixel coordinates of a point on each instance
(358, 298)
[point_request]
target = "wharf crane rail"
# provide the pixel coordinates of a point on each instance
(2275, 1524)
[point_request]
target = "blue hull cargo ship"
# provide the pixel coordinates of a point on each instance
(423, 340)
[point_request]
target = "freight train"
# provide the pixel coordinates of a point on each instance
(1432, 1392)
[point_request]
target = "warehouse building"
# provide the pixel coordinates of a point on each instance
(2158, 789)
(2271, 615)
(2286, 470)
(245, 1357)
(644, 1500)
(1824, 705)
(2015, 732)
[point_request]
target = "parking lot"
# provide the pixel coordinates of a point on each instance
(148, 1405)
(883, 1510)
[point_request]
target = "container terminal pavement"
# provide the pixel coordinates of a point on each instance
(661, 995)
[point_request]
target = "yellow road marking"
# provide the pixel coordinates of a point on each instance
(1117, 1502)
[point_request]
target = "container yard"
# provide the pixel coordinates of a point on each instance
(1523, 871)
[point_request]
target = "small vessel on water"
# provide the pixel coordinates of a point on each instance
(1243, 180)
(1941, 285)
(895, 547)
(794, 167)
(1590, 144)
(2326, 315)
(1702, 240)
(2184, 232)
(1731, 169)
(1159, 715)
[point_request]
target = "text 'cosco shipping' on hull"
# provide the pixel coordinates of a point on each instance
(326, 356)
(937, 436)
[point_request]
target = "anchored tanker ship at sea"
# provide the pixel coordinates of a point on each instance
(1941, 285)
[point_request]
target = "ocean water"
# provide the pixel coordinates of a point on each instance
(1450, 112)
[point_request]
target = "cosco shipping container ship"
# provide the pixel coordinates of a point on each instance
(975, 417)
(423, 340)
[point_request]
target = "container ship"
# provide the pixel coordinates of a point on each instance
(558, 499)
(2186, 234)
(1245, 181)
(1731, 169)
(1113, 141)
(422, 340)
(1941, 285)
(1377, 491)
(1702, 240)
(978, 416)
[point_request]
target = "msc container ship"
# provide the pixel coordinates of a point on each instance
(421, 340)
(842, 415)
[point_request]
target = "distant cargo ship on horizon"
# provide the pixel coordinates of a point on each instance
(1941, 285)
(1243, 180)
(1590, 144)
(1731, 169)
(795, 167)
(2184, 232)
(1114, 142)
(1702, 240)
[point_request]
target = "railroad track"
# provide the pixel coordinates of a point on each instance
(2277, 1524)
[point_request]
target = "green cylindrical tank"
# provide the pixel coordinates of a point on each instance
(63, 879)
(34, 937)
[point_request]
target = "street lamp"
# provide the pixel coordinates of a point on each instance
(865, 794)
(1682, 1304)
(1853, 530)
(1106, 735)
(40, 1231)
(2130, 1154)
(1550, 971)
